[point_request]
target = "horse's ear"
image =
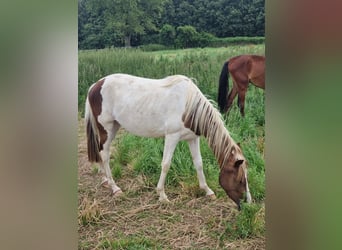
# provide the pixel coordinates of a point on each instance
(238, 143)
(238, 163)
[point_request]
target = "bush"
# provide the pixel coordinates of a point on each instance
(227, 41)
(187, 37)
(167, 35)
(150, 38)
(205, 39)
(153, 47)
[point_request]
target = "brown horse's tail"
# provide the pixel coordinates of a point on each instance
(223, 88)
(93, 143)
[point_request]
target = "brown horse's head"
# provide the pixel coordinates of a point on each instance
(233, 178)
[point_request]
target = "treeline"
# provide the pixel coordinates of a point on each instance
(171, 23)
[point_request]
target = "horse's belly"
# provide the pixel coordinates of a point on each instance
(149, 127)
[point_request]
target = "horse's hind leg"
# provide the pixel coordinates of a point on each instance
(231, 97)
(194, 146)
(111, 128)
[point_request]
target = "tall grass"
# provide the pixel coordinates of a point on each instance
(204, 65)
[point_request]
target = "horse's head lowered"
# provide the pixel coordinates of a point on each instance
(233, 178)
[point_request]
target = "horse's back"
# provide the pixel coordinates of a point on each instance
(132, 83)
(248, 68)
(146, 107)
(245, 62)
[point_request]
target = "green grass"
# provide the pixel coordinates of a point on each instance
(249, 222)
(133, 242)
(145, 154)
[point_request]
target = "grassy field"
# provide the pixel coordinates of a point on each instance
(191, 221)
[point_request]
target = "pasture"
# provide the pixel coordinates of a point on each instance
(137, 220)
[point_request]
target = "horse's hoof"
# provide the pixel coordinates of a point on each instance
(164, 201)
(117, 193)
(212, 196)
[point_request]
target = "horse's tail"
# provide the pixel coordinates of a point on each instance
(223, 87)
(93, 143)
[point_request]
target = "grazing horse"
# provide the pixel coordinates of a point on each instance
(173, 108)
(243, 69)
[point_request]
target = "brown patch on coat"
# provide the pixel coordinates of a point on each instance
(95, 101)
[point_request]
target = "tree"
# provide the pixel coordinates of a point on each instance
(133, 17)
(106, 23)
(92, 31)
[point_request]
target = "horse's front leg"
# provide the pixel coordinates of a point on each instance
(194, 146)
(169, 147)
(241, 101)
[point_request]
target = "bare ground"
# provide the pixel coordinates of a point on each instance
(137, 220)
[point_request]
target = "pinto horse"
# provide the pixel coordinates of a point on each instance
(244, 69)
(173, 108)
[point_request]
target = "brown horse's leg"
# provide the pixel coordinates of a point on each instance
(241, 101)
(231, 97)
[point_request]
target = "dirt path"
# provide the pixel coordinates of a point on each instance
(136, 220)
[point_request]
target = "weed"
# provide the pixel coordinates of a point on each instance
(89, 212)
(96, 169)
(116, 169)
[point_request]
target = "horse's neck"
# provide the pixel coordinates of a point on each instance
(221, 143)
(202, 118)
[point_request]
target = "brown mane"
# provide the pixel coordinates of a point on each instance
(203, 119)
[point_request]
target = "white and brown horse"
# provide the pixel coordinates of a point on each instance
(173, 108)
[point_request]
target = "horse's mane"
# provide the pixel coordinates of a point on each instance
(204, 119)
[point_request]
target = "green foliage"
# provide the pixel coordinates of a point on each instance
(116, 22)
(227, 41)
(107, 23)
(153, 47)
(205, 39)
(186, 37)
(167, 35)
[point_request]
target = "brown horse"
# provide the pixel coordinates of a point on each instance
(244, 69)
